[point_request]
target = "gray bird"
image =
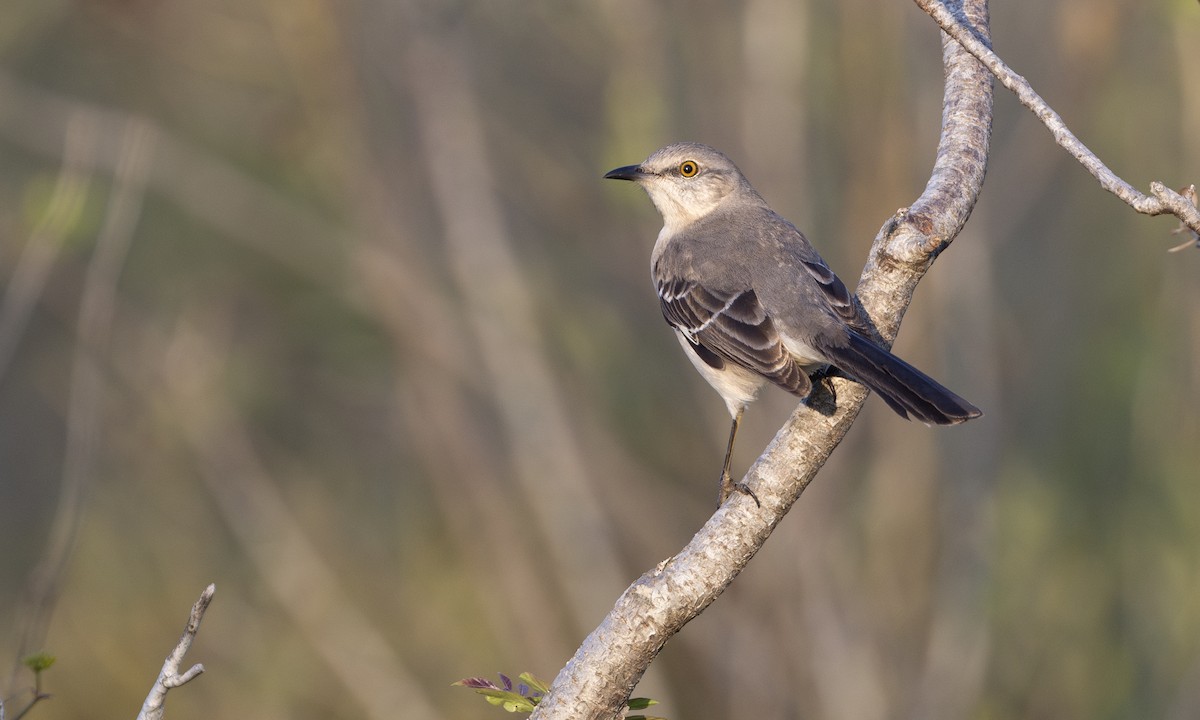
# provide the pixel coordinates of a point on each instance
(751, 301)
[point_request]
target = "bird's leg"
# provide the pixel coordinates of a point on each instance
(726, 479)
(727, 483)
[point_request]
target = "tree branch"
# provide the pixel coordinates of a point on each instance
(605, 669)
(170, 677)
(1162, 200)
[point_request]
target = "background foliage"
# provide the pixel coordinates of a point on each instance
(327, 303)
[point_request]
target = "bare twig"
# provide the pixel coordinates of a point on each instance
(1162, 200)
(170, 677)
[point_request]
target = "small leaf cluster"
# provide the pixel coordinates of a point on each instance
(37, 663)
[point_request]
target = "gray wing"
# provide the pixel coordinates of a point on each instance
(729, 326)
(833, 290)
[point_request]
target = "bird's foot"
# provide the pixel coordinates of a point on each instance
(823, 397)
(728, 487)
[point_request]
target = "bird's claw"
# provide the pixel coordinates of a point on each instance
(744, 489)
(728, 487)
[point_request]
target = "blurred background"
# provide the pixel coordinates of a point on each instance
(327, 303)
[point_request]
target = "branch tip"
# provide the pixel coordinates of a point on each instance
(200, 608)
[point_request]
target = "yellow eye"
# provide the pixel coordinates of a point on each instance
(688, 168)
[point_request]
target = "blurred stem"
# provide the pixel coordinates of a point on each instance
(59, 216)
(501, 312)
(38, 696)
(304, 584)
(202, 184)
(87, 384)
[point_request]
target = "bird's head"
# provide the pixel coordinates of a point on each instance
(685, 181)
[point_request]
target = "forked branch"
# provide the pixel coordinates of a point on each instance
(170, 677)
(1162, 200)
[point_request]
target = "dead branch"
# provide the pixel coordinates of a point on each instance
(170, 677)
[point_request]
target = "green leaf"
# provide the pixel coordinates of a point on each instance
(38, 662)
(507, 699)
(534, 682)
(640, 703)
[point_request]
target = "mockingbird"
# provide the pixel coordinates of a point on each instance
(751, 301)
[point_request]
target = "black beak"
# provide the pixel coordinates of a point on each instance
(629, 172)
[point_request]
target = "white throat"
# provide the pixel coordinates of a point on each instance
(680, 211)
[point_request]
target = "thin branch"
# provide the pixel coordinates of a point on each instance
(170, 677)
(37, 697)
(1162, 200)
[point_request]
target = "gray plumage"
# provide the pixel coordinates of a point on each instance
(751, 301)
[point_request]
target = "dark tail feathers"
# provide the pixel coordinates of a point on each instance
(904, 388)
